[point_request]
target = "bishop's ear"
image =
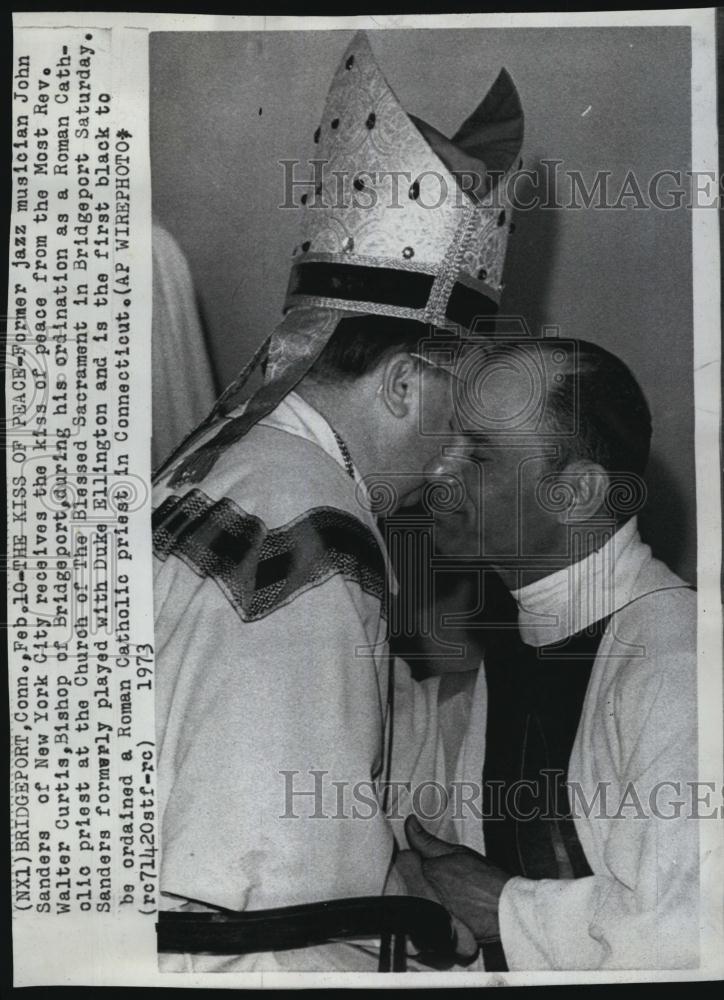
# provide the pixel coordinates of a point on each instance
(399, 386)
(588, 484)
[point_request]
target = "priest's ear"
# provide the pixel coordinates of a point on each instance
(586, 483)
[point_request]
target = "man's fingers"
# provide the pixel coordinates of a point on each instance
(423, 842)
(409, 867)
(466, 947)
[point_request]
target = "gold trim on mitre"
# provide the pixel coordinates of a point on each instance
(396, 195)
(427, 249)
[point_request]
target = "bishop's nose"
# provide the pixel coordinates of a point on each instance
(446, 498)
(447, 463)
(445, 482)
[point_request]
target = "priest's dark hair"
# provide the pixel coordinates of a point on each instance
(360, 343)
(611, 417)
(595, 410)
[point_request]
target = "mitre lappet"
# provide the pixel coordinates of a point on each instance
(420, 232)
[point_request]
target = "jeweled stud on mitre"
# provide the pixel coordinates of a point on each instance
(460, 238)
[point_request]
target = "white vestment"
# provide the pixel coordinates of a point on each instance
(272, 673)
(637, 734)
(182, 381)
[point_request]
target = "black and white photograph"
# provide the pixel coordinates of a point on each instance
(425, 578)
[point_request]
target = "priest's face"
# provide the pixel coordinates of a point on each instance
(505, 470)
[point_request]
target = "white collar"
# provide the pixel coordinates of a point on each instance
(296, 416)
(564, 603)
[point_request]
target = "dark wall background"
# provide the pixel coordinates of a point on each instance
(226, 107)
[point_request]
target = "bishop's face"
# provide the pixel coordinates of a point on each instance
(418, 440)
(505, 467)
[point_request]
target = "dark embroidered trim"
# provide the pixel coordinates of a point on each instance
(471, 309)
(389, 287)
(356, 282)
(260, 569)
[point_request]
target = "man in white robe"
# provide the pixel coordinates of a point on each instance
(274, 710)
(609, 881)
(272, 660)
